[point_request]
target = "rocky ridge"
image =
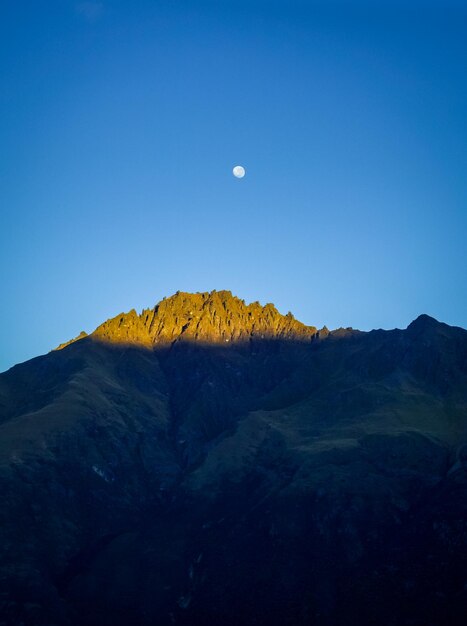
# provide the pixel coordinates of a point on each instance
(211, 317)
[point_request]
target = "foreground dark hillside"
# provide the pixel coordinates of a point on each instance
(212, 462)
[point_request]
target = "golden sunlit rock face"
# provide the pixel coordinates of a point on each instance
(211, 317)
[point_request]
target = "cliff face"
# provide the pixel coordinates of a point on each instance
(211, 462)
(214, 317)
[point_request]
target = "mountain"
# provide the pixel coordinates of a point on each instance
(213, 462)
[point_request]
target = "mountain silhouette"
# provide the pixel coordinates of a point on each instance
(212, 462)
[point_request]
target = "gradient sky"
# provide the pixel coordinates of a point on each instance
(120, 123)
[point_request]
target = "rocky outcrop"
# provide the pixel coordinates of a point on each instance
(82, 335)
(215, 317)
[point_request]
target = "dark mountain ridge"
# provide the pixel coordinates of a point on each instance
(209, 462)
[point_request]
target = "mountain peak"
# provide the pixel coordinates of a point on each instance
(423, 322)
(211, 317)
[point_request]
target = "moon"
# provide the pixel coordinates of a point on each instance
(238, 171)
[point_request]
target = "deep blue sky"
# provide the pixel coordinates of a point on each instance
(120, 123)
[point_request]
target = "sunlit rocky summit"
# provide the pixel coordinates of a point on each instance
(209, 461)
(205, 317)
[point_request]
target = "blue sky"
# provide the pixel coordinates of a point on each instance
(120, 124)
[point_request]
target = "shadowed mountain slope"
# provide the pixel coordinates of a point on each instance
(212, 462)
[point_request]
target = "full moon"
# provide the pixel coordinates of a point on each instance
(238, 171)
